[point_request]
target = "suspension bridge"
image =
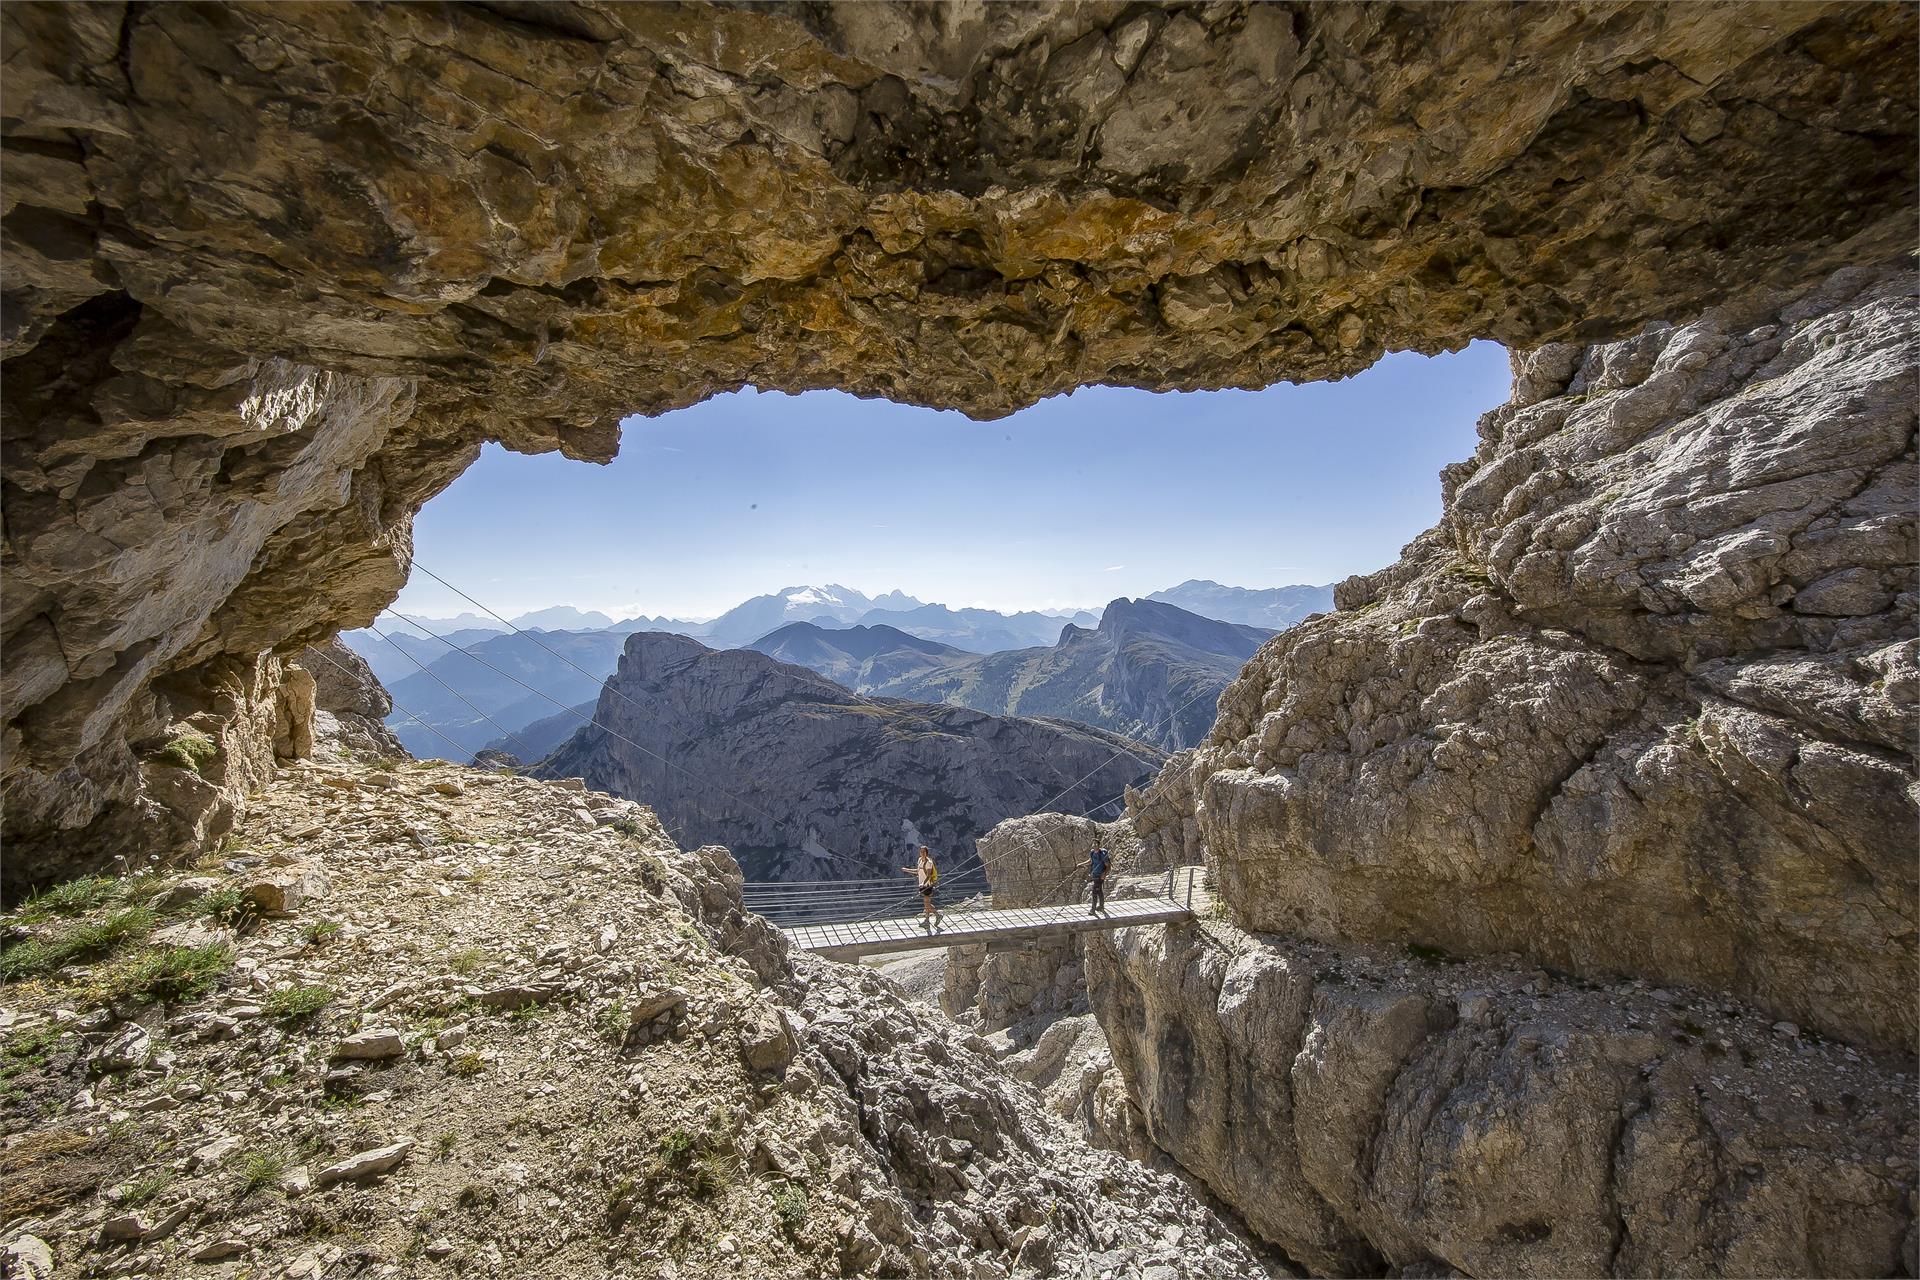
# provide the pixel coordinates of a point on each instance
(850, 920)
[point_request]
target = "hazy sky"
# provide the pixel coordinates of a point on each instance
(1073, 502)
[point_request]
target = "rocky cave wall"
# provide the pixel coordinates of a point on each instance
(1646, 701)
(275, 273)
(1559, 844)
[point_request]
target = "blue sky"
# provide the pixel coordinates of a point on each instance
(1106, 492)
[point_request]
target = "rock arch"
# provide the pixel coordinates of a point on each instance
(273, 275)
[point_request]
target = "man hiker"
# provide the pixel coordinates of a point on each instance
(928, 876)
(1097, 864)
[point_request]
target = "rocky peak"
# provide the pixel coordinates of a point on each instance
(859, 642)
(1123, 619)
(803, 778)
(655, 662)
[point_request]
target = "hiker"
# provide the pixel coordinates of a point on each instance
(929, 877)
(1097, 864)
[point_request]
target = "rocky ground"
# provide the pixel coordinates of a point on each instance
(423, 1020)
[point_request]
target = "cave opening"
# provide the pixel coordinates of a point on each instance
(916, 554)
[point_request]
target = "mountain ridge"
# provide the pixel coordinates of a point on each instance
(1148, 670)
(1275, 608)
(856, 779)
(893, 652)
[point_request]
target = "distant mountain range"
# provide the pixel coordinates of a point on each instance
(1149, 671)
(829, 605)
(1275, 608)
(536, 739)
(1128, 677)
(802, 778)
(976, 630)
(490, 675)
(404, 653)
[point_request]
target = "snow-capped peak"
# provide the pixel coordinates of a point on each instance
(831, 596)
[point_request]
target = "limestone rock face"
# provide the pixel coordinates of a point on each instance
(1644, 702)
(1365, 1109)
(274, 274)
(146, 575)
(1161, 815)
(1032, 861)
(350, 703)
(804, 779)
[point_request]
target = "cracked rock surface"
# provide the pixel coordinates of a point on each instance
(1646, 700)
(1367, 1108)
(275, 273)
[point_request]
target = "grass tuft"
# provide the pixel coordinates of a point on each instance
(294, 1003)
(706, 1163)
(193, 751)
(145, 1187)
(612, 1023)
(70, 899)
(86, 942)
(790, 1207)
(228, 906)
(260, 1170)
(170, 974)
(315, 932)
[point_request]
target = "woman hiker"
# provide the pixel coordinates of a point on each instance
(928, 876)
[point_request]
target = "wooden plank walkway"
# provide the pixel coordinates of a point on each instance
(878, 937)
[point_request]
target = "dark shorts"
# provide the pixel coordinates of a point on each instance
(926, 897)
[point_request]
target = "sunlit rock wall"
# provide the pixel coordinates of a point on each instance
(1645, 701)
